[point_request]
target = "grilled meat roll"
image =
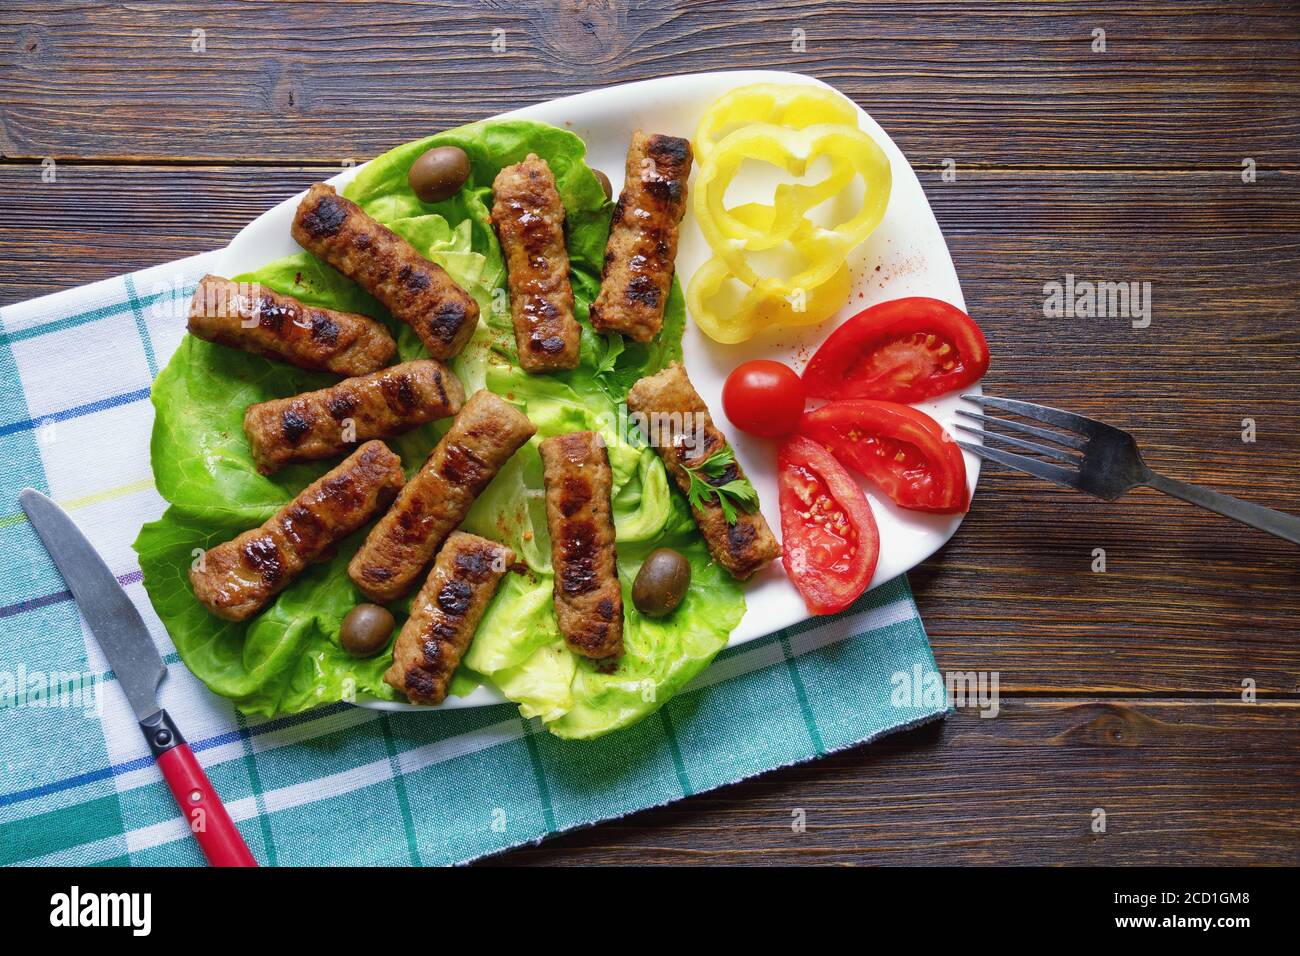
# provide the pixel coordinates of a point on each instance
(247, 316)
(529, 220)
(237, 579)
(328, 422)
(682, 431)
(642, 242)
(579, 516)
(434, 502)
(444, 616)
(415, 290)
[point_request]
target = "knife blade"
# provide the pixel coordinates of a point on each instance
(109, 613)
(139, 668)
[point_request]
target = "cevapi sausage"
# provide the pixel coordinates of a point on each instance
(529, 220)
(253, 318)
(642, 243)
(444, 616)
(683, 433)
(237, 579)
(434, 502)
(579, 516)
(415, 290)
(329, 422)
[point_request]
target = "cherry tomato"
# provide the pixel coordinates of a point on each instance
(830, 542)
(906, 350)
(763, 398)
(904, 452)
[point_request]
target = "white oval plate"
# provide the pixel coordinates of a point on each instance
(905, 256)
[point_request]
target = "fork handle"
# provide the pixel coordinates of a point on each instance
(1257, 516)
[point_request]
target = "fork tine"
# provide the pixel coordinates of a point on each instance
(1042, 413)
(1068, 440)
(1056, 453)
(1030, 466)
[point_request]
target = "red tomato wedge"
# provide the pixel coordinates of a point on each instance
(903, 452)
(829, 538)
(906, 350)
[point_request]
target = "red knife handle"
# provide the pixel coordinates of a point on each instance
(208, 820)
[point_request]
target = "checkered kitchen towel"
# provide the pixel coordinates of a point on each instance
(340, 785)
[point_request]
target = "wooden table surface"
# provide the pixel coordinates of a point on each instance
(1120, 690)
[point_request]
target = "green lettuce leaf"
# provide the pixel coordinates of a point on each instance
(288, 658)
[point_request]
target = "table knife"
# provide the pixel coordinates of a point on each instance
(121, 632)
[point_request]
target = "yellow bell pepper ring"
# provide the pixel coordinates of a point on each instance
(790, 105)
(768, 304)
(851, 151)
(804, 278)
(806, 260)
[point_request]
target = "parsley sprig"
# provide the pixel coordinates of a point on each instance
(737, 493)
(609, 354)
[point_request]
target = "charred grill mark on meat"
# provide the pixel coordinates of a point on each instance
(445, 614)
(239, 578)
(383, 404)
(579, 516)
(415, 290)
(529, 220)
(638, 269)
(255, 319)
(434, 502)
(668, 397)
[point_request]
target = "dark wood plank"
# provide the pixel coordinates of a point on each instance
(95, 222)
(1016, 585)
(991, 83)
(1180, 783)
(1190, 603)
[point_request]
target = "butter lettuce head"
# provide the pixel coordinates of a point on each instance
(288, 658)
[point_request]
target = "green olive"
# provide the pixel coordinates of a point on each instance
(439, 173)
(604, 184)
(366, 630)
(661, 583)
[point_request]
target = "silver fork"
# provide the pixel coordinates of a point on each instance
(1102, 461)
